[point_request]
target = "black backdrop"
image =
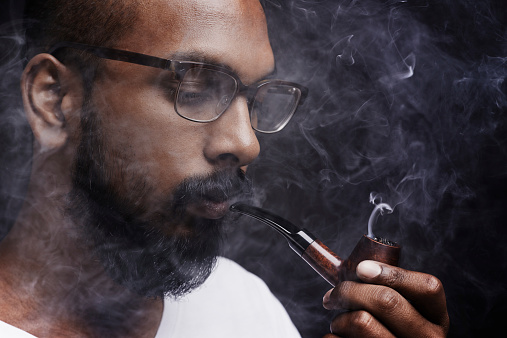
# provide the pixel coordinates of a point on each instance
(407, 100)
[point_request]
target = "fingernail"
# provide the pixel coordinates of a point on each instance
(368, 269)
(326, 297)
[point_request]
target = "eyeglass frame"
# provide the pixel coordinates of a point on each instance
(179, 68)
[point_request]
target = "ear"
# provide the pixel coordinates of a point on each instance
(51, 93)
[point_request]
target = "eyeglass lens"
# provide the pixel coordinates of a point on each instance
(273, 106)
(204, 94)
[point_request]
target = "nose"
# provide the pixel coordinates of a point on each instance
(231, 141)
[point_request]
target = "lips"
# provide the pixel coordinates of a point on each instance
(210, 197)
(206, 208)
(213, 205)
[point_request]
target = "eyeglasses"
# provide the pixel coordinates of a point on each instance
(204, 91)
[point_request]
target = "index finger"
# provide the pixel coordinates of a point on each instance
(425, 292)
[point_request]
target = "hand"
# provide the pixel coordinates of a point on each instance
(394, 302)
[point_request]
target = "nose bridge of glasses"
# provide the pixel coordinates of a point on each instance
(245, 95)
(248, 92)
(238, 102)
(232, 134)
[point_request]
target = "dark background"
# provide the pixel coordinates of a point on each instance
(433, 143)
(408, 100)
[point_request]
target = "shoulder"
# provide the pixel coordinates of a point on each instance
(232, 301)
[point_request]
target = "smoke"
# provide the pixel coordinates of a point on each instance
(15, 134)
(408, 99)
(379, 209)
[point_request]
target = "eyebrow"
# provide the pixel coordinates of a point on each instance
(209, 59)
(198, 57)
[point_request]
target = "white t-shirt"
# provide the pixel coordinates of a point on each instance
(9, 331)
(231, 303)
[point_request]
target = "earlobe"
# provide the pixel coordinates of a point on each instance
(50, 93)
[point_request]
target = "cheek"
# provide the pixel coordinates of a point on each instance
(144, 136)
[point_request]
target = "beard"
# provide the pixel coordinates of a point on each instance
(155, 252)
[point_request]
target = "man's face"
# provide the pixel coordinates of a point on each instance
(145, 135)
(159, 183)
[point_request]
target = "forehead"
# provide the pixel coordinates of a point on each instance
(232, 32)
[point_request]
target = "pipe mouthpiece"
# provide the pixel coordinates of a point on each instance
(299, 239)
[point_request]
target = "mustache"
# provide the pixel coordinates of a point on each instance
(220, 186)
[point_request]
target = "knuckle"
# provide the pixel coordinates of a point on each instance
(362, 319)
(434, 286)
(388, 300)
(394, 277)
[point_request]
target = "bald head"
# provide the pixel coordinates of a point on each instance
(92, 22)
(124, 24)
(104, 22)
(228, 32)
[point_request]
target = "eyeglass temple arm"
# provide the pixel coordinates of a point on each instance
(115, 54)
(133, 57)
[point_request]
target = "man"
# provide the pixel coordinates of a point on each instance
(136, 160)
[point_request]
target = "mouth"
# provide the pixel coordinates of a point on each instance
(214, 205)
(210, 197)
(209, 208)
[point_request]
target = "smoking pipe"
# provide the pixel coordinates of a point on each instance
(331, 267)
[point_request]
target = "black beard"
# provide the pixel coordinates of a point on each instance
(130, 240)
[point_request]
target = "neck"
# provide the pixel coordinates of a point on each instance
(50, 283)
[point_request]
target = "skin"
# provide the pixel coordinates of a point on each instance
(45, 267)
(169, 148)
(394, 303)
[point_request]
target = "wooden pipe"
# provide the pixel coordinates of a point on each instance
(329, 265)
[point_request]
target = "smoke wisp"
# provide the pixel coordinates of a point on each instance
(407, 98)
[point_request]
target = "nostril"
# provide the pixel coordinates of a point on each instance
(227, 159)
